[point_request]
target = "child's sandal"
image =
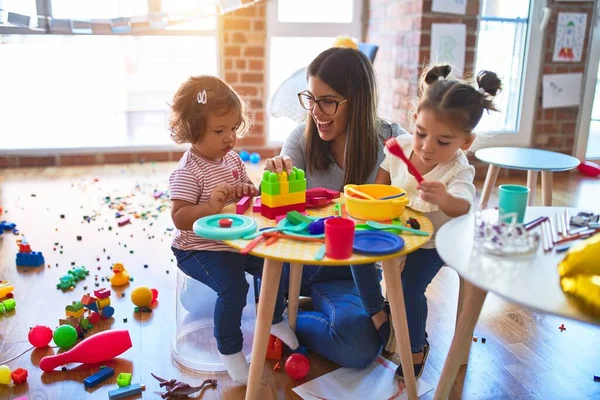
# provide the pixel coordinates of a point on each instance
(417, 367)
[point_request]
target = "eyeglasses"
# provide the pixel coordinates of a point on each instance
(327, 106)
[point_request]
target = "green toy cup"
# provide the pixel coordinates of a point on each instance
(513, 200)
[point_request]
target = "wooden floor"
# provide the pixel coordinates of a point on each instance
(525, 356)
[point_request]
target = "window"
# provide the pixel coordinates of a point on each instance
(509, 43)
(297, 34)
(98, 91)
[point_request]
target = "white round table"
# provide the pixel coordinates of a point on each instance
(530, 282)
(524, 159)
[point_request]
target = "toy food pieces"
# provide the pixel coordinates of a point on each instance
(579, 275)
(120, 276)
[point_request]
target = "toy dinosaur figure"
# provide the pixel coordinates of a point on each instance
(181, 390)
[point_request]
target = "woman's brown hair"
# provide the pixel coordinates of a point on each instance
(196, 99)
(349, 73)
(456, 101)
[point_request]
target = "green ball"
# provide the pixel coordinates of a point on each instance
(65, 336)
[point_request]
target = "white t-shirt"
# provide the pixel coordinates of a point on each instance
(457, 174)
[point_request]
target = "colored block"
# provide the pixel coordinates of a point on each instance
(242, 205)
(33, 259)
(297, 218)
(274, 348)
(75, 310)
(102, 293)
(284, 185)
(125, 391)
(269, 183)
(297, 186)
(103, 302)
(273, 212)
(124, 379)
(256, 205)
(98, 377)
(283, 199)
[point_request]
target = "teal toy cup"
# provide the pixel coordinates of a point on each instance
(513, 200)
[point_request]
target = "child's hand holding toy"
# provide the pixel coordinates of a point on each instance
(435, 192)
(219, 197)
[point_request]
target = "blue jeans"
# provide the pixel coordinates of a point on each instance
(339, 328)
(223, 272)
(419, 270)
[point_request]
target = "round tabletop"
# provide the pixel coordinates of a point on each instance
(527, 159)
(531, 282)
(304, 252)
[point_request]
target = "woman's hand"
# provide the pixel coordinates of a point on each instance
(278, 164)
(245, 189)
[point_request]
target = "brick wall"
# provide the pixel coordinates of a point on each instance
(555, 128)
(242, 44)
(402, 29)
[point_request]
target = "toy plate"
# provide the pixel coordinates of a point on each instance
(208, 227)
(377, 242)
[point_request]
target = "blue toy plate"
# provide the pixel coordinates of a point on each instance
(377, 242)
(208, 227)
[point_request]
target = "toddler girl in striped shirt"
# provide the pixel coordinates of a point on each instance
(207, 113)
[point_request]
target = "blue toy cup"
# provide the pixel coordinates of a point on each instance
(513, 200)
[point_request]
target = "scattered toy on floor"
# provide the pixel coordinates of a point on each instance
(179, 389)
(40, 336)
(120, 276)
(297, 366)
(562, 327)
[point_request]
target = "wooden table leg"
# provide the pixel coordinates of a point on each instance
(264, 318)
(392, 271)
(294, 293)
(532, 177)
(472, 303)
(547, 188)
(488, 186)
(459, 309)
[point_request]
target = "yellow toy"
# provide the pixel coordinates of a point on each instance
(580, 275)
(120, 276)
(142, 296)
(281, 193)
(345, 41)
(5, 290)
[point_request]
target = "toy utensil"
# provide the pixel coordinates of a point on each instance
(320, 253)
(294, 237)
(360, 194)
(98, 348)
(252, 244)
(293, 228)
(394, 196)
(337, 210)
(378, 225)
(395, 149)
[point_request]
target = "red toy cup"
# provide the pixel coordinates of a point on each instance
(339, 238)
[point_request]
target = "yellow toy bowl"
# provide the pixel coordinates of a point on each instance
(375, 210)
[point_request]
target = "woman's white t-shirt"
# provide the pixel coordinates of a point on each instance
(456, 174)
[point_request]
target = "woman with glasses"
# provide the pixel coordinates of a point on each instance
(341, 142)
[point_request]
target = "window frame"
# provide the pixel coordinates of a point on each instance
(275, 28)
(523, 136)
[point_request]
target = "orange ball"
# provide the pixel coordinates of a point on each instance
(142, 296)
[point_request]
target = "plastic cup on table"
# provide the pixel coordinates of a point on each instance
(339, 238)
(513, 200)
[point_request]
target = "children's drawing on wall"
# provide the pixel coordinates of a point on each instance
(570, 35)
(561, 90)
(449, 6)
(448, 45)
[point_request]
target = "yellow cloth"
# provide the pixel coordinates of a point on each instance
(580, 275)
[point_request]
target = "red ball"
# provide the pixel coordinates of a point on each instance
(40, 336)
(297, 366)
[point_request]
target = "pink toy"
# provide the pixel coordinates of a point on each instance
(297, 366)
(40, 336)
(98, 348)
(256, 205)
(242, 205)
(395, 149)
(589, 168)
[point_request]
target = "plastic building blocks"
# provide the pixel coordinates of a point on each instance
(8, 226)
(125, 391)
(124, 379)
(256, 205)
(7, 305)
(243, 205)
(98, 377)
(274, 348)
(31, 259)
(281, 193)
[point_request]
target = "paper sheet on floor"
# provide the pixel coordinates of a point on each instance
(374, 382)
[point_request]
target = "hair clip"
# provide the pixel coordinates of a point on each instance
(441, 78)
(202, 97)
(481, 90)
